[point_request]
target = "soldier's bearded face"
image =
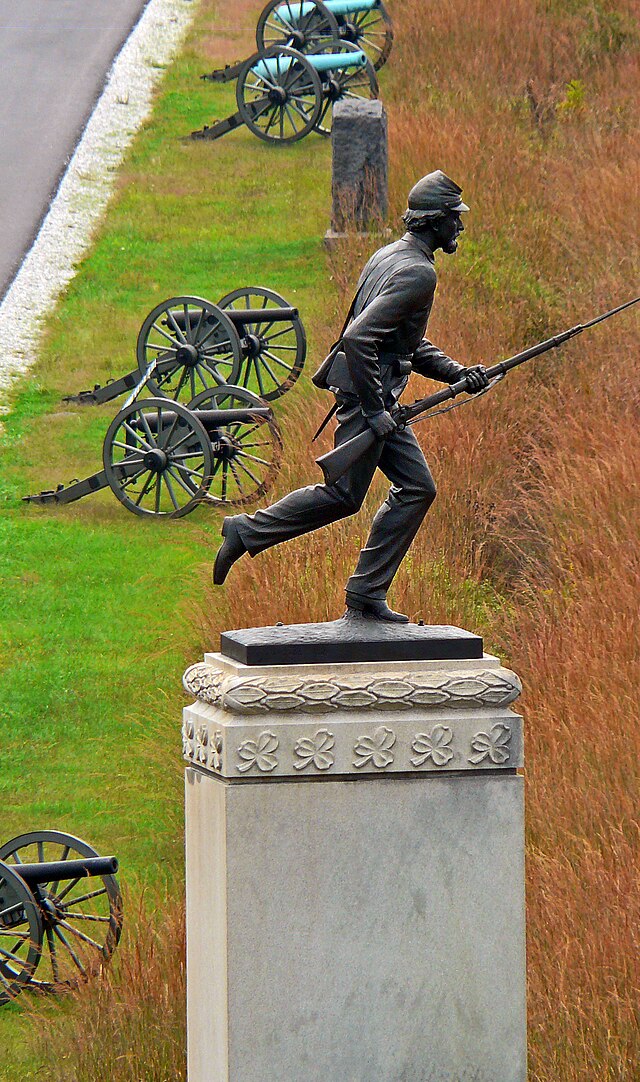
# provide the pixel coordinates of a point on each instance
(449, 229)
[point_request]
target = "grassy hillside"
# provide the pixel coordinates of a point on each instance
(532, 107)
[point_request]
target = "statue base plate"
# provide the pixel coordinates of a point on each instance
(352, 638)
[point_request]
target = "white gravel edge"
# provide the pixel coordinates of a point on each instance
(88, 182)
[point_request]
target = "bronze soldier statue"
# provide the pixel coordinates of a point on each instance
(367, 370)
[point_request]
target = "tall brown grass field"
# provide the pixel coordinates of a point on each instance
(532, 105)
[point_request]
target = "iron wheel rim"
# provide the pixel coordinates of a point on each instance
(375, 33)
(166, 430)
(208, 331)
(298, 81)
(58, 969)
(275, 369)
(249, 474)
(320, 27)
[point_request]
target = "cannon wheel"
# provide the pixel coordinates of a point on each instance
(275, 352)
(21, 934)
(371, 31)
(345, 83)
(157, 458)
(246, 454)
(198, 337)
(81, 918)
(314, 32)
(284, 107)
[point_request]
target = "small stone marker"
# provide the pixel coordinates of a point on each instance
(359, 176)
(355, 867)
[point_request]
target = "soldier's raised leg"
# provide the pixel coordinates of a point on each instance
(307, 508)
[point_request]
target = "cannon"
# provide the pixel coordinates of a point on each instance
(363, 23)
(251, 338)
(60, 912)
(316, 27)
(283, 94)
(163, 459)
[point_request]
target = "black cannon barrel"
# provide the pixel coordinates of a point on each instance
(261, 315)
(60, 870)
(209, 418)
(238, 316)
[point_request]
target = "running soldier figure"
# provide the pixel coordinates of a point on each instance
(367, 371)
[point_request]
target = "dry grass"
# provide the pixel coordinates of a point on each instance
(129, 1025)
(534, 539)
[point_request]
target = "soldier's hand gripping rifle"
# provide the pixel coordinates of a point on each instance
(335, 463)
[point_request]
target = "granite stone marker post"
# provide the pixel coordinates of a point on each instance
(355, 858)
(359, 166)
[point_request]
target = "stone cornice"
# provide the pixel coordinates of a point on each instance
(309, 694)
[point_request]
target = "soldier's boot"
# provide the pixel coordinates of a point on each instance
(232, 549)
(373, 609)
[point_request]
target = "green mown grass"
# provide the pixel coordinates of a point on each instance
(96, 605)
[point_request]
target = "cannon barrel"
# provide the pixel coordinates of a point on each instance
(211, 419)
(261, 315)
(346, 7)
(237, 316)
(270, 66)
(288, 13)
(58, 870)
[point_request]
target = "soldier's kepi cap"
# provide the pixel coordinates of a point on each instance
(436, 193)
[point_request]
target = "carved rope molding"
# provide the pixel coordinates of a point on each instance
(311, 695)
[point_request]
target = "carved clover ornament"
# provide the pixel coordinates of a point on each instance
(259, 753)
(375, 749)
(433, 746)
(315, 749)
(188, 733)
(201, 752)
(215, 754)
(493, 745)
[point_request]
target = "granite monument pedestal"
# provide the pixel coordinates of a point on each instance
(359, 173)
(355, 867)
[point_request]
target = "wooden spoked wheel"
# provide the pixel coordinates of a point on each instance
(370, 30)
(246, 454)
(345, 83)
(21, 934)
(157, 458)
(280, 102)
(308, 27)
(194, 344)
(274, 351)
(81, 918)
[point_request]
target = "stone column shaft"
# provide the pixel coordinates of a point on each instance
(355, 873)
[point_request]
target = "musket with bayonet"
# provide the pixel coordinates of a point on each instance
(335, 463)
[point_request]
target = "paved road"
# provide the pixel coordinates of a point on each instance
(54, 57)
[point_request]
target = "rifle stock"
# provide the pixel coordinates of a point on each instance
(338, 461)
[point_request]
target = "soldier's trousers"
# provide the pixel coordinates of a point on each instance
(395, 525)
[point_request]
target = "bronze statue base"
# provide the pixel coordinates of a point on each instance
(353, 637)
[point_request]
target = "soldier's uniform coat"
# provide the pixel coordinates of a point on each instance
(367, 371)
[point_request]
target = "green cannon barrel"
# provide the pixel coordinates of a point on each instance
(64, 870)
(348, 7)
(289, 13)
(272, 66)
